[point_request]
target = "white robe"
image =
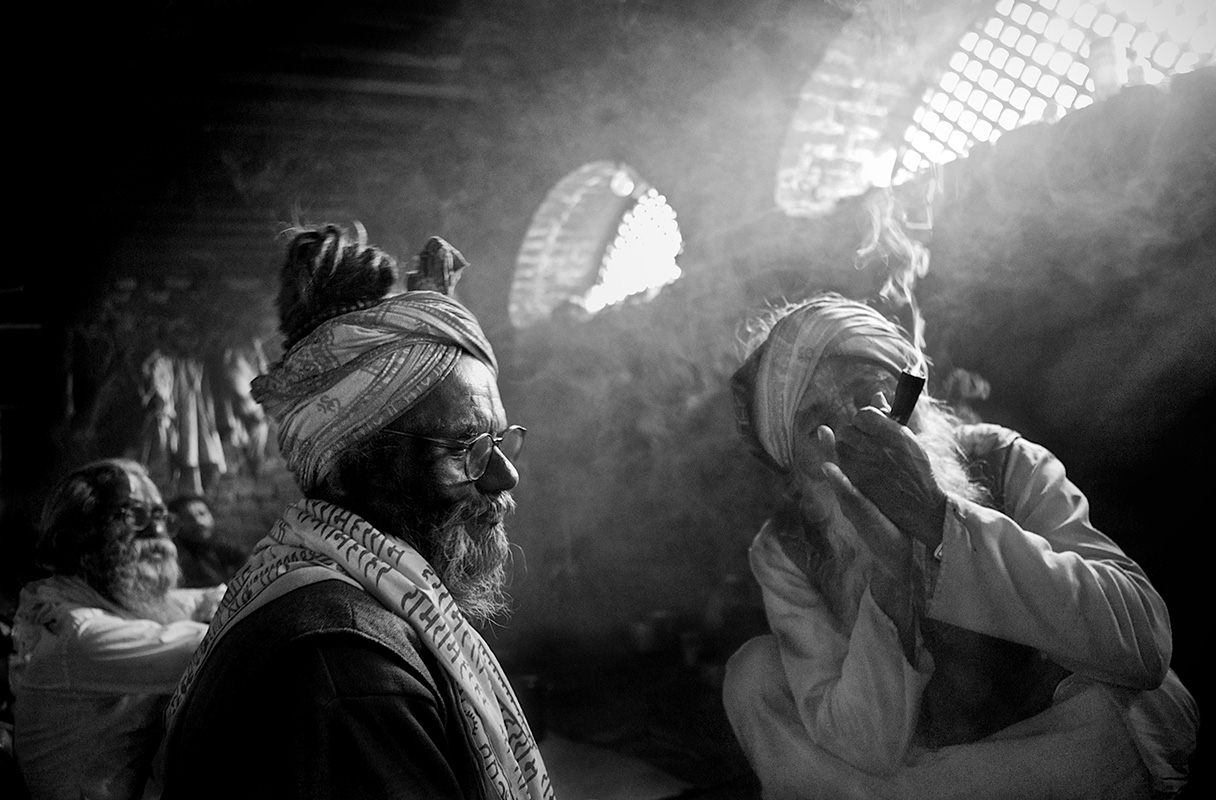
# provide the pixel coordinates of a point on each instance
(828, 708)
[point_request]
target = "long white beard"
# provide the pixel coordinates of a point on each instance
(142, 583)
(469, 549)
(935, 430)
(853, 562)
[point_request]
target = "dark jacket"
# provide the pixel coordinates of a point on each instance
(322, 693)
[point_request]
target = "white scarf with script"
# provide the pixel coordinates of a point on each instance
(315, 541)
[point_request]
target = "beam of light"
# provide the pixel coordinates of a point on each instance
(1036, 60)
(641, 258)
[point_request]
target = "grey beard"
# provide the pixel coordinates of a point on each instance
(467, 545)
(138, 574)
(936, 435)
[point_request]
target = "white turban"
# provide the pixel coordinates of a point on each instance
(357, 372)
(776, 377)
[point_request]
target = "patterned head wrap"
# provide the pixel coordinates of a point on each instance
(769, 387)
(357, 372)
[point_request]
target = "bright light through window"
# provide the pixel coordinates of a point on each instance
(642, 256)
(1032, 60)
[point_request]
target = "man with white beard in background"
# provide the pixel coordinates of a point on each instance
(343, 661)
(946, 621)
(101, 644)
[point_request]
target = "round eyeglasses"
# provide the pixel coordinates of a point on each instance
(477, 451)
(138, 516)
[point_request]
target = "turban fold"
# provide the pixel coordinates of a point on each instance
(356, 372)
(770, 385)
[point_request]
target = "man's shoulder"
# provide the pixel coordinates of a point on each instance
(327, 610)
(980, 439)
(324, 660)
(320, 629)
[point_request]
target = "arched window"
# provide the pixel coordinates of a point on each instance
(1039, 59)
(601, 235)
(641, 258)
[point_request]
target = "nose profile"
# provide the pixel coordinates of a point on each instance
(500, 475)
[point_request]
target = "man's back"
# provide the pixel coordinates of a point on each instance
(321, 693)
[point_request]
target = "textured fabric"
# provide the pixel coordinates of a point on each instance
(316, 541)
(828, 708)
(825, 326)
(381, 714)
(358, 371)
(90, 682)
(1075, 750)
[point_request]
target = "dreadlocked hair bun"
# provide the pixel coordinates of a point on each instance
(329, 272)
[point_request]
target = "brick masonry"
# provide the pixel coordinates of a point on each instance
(855, 105)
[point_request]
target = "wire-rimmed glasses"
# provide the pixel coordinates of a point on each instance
(477, 451)
(139, 516)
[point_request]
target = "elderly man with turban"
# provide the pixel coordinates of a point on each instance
(946, 621)
(343, 661)
(102, 641)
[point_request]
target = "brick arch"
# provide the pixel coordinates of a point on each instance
(853, 109)
(562, 253)
(877, 93)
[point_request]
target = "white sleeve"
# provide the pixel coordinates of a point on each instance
(109, 653)
(855, 692)
(201, 603)
(1045, 577)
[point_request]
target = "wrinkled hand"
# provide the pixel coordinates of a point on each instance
(891, 547)
(890, 583)
(818, 502)
(884, 462)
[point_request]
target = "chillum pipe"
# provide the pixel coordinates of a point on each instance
(907, 392)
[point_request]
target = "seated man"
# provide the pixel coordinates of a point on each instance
(101, 644)
(343, 662)
(204, 558)
(946, 622)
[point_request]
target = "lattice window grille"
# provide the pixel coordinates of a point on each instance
(1030, 61)
(641, 258)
